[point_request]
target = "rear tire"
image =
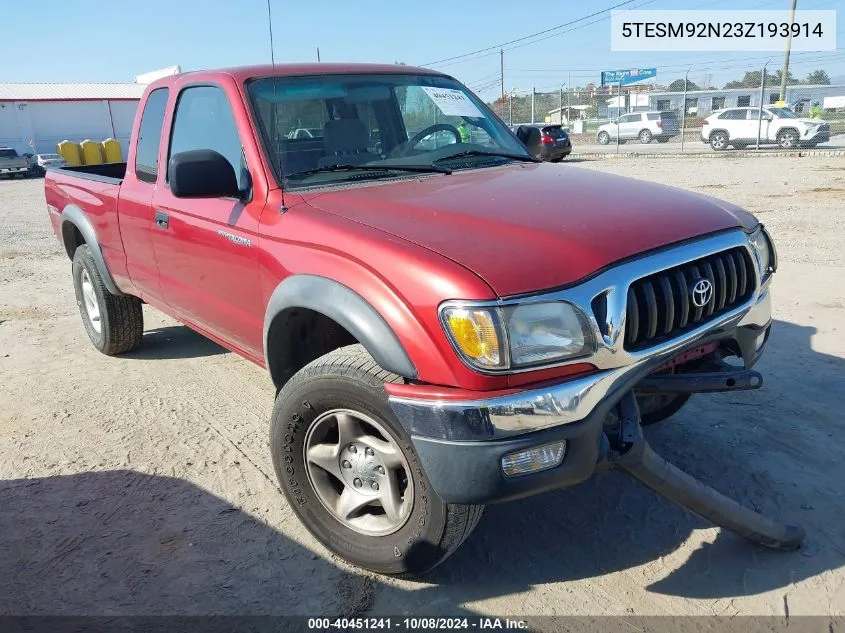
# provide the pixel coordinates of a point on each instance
(334, 410)
(115, 324)
(719, 141)
(645, 137)
(603, 138)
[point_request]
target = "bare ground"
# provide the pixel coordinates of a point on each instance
(142, 484)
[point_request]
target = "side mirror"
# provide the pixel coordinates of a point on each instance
(530, 137)
(202, 173)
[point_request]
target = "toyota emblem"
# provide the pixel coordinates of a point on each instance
(701, 292)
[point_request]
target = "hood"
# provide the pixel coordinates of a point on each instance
(530, 227)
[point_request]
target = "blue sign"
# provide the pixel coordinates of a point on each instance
(625, 77)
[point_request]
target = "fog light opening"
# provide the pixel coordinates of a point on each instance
(533, 460)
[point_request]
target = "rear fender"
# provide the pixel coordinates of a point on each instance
(75, 216)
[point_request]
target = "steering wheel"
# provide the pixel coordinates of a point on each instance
(407, 146)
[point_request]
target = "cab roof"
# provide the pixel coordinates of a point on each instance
(242, 73)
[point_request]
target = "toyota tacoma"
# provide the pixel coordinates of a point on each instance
(447, 321)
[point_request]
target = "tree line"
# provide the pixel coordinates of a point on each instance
(752, 78)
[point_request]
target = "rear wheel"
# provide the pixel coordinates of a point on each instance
(115, 324)
(719, 141)
(603, 138)
(645, 137)
(349, 470)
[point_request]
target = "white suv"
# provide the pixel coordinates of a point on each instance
(738, 127)
(644, 126)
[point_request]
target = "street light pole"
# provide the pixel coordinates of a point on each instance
(760, 111)
(684, 111)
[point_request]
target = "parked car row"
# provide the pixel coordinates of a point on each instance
(12, 164)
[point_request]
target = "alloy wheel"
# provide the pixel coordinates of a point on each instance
(358, 472)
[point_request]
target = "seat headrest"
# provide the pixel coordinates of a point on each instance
(345, 135)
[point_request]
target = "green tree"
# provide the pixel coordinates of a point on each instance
(790, 80)
(818, 77)
(678, 86)
(751, 79)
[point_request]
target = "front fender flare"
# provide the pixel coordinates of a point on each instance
(349, 310)
(72, 214)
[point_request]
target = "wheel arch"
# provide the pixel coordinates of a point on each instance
(308, 316)
(78, 230)
(717, 130)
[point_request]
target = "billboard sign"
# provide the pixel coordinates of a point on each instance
(627, 76)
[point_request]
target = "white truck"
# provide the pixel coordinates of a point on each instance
(739, 127)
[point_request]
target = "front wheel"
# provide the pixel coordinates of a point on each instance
(350, 472)
(788, 139)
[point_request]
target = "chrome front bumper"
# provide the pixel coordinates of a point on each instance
(575, 400)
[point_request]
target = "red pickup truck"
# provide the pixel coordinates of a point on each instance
(448, 322)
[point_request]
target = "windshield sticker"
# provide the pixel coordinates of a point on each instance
(453, 102)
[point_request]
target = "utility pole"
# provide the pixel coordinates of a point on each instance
(502, 72)
(568, 92)
(785, 70)
(318, 53)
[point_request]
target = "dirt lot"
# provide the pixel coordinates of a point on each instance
(142, 485)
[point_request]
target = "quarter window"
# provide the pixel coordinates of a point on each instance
(149, 136)
(204, 120)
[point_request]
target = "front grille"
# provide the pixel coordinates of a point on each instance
(660, 306)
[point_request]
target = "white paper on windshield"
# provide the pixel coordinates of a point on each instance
(453, 102)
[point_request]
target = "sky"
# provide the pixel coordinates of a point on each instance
(126, 39)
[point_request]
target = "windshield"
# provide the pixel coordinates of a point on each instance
(783, 113)
(316, 127)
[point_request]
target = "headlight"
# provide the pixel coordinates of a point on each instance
(518, 336)
(764, 251)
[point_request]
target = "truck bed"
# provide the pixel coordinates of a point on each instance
(112, 173)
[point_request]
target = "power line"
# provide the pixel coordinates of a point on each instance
(532, 35)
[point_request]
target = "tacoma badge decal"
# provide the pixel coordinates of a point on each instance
(235, 239)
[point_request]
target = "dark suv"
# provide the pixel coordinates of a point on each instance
(555, 142)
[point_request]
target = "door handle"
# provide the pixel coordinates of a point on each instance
(162, 219)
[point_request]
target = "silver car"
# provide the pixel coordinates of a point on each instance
(645, 126)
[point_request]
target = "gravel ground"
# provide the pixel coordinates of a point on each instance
(142, 484)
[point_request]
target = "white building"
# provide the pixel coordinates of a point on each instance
(34, 117)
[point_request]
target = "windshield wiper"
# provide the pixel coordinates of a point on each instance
(478, 152)
(411, 168)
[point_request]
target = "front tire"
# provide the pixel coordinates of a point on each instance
(788, 139)
(350, 472)
(115, 324)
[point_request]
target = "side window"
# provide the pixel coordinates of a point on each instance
(204, 120)
(653, 116)
(743, 101)
(149, 136)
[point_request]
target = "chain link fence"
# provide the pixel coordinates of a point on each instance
(695, 119)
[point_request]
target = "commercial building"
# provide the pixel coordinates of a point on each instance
(34, 117)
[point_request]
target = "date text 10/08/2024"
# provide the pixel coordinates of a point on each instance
(411, 623)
